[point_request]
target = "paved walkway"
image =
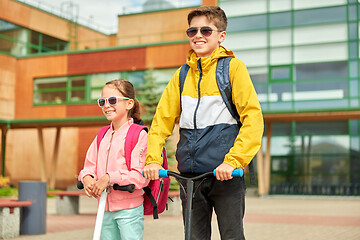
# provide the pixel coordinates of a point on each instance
(278, 218)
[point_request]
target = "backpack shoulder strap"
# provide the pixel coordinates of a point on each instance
(223, 81)
(131, 139)
(101, 134)
(183, 73)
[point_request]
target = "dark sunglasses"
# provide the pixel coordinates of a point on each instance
(205, 31)
(111, 100)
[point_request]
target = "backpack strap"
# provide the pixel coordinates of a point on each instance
(148, 193)
(224, 84)
(183, 73)
(101, 134)
(131, 139)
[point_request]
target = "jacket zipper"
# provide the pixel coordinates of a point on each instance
(107, 161)
(196, 109)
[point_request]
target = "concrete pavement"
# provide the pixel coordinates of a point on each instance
(274, 217)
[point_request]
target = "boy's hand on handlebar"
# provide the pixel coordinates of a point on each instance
(151, 171)
(224, 172)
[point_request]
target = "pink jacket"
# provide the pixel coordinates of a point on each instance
(111, 159)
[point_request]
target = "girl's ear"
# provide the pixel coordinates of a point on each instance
(130, 104)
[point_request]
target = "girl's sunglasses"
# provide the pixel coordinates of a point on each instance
(111, 100)
(205, 31)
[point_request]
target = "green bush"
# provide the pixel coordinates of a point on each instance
(8, 192)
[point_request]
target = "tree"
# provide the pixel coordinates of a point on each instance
(150, 96)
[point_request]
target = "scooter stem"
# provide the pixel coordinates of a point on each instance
(100, 215)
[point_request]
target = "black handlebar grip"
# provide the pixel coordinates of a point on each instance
(130, 188)
(80, 185)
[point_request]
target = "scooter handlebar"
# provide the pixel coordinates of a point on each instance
(236, 173)
(129, 188)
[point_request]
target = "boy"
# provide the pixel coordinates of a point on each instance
(210, 137)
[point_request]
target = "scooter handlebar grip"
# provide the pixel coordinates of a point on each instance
(163, 173)
(129, 188)
(80, 185)
(239, 172)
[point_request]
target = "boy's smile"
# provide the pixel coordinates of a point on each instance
(202, 45)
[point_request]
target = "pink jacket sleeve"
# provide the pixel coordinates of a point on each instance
(90, 162)
(134, 176)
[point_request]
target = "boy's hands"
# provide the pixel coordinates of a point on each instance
(224, 172)
(151, 171)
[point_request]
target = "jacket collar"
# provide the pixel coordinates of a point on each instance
(220, 52)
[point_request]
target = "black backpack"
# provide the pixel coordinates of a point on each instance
(223, 82)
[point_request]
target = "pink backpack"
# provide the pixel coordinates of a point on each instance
(156, 193)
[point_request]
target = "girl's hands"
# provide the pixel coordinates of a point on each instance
(89, 183)
(100, 185)
(95, 188)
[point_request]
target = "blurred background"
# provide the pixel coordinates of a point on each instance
(302, 56)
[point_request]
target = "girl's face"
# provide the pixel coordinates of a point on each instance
(118, 113)
(202, 45)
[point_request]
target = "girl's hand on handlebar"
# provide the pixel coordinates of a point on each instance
(224, 172)
(151, 171)
(88, 183)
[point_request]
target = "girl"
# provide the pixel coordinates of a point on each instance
(124, 214)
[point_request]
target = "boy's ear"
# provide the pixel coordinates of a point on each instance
(222, 36)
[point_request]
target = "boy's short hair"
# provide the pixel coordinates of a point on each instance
(213, 13)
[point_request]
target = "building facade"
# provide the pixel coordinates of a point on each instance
(302, 55)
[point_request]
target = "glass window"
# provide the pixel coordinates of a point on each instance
(353, 69)
(281, 73)
(282, 19)
(258, 75)
(354, 88)
(328, 70)
(50, 90)
(255, 22)
(279, 129)
(352, 12)
(353, 31)
(282, 90)
(321, 15)
(77, 88)
(322, 128)
(354, 49)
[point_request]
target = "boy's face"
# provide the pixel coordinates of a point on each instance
(202, 45)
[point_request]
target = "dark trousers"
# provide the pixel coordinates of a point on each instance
(227, 198)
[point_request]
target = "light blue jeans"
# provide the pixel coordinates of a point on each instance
(125, 224)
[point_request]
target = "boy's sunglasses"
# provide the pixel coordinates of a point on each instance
(111, 100)
(205, 31)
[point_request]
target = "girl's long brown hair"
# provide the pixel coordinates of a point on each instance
(126, 88)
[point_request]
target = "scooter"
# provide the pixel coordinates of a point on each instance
(190, 191)
(102, 202)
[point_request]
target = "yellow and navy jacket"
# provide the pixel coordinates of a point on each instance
(209, 135)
